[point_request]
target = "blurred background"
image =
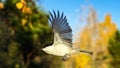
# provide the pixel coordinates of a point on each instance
(24, 30)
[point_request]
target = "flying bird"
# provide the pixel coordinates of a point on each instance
(62, 44)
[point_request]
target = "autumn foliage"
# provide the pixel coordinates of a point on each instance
(94, 36)
(24, 31)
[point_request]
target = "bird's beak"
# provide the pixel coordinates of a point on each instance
(43, 49)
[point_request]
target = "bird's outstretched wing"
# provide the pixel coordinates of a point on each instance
(62, 30)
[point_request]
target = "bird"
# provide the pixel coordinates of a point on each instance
(62, 44)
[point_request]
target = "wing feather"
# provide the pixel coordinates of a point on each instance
(62, 30)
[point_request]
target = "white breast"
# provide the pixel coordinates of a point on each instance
(62, 49)
(58, 49)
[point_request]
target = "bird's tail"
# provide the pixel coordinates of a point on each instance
(82, 51)
(85, 51)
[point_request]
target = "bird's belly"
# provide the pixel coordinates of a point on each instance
(61, 50)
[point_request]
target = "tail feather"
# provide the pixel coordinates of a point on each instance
(84, 51)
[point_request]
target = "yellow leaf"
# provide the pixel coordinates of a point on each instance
(23, 1)
(19, 5)
(24, 21)
(26, 10)
(1, 6)
(30, 25)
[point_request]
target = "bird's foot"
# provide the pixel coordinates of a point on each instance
(66, 57)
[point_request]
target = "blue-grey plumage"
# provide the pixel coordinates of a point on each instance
(62, 45)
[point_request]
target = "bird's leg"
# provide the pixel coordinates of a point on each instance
(66, 57)
(84, 51)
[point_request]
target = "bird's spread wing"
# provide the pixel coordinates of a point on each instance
(62, 30)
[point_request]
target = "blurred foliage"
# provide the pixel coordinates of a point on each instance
(114, 49)
(94, 36)
(24, 30)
